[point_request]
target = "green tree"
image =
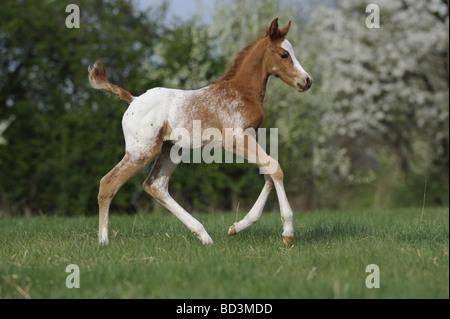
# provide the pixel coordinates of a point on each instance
(62, 135)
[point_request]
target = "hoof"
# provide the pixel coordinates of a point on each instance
(287, 240)
(232, 230)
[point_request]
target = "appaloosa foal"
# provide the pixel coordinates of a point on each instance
(234, 102)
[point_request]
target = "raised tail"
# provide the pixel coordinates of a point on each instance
(98, 80)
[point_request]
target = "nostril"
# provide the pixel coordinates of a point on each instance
(308, 82)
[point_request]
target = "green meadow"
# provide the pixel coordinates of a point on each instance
(155, 256)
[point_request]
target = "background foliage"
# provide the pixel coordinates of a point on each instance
(371, 132)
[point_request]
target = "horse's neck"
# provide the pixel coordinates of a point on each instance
(251, 78)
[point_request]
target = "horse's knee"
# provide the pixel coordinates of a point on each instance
(277, 173)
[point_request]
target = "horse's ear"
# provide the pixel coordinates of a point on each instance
(274, 32)
(285, 30)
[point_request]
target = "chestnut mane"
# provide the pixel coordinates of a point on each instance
(239, 59)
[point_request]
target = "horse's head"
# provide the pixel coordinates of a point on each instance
(281, 60)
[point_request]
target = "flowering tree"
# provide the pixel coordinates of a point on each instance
(385, 89)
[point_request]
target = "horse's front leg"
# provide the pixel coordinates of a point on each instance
(245, 145)
(255, 213)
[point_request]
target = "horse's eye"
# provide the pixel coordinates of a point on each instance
(284, 55)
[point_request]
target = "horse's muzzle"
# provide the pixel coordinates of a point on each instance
(306, 86)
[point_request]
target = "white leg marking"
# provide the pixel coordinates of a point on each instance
(286, 212)
(254, 214)
(193, 224)
(104, 238)
(272, 168)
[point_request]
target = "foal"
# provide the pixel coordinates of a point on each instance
(234, 102)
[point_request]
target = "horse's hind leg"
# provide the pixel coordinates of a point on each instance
(111, 183)
(157, 184)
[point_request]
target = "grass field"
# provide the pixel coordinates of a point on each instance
(155, 256)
